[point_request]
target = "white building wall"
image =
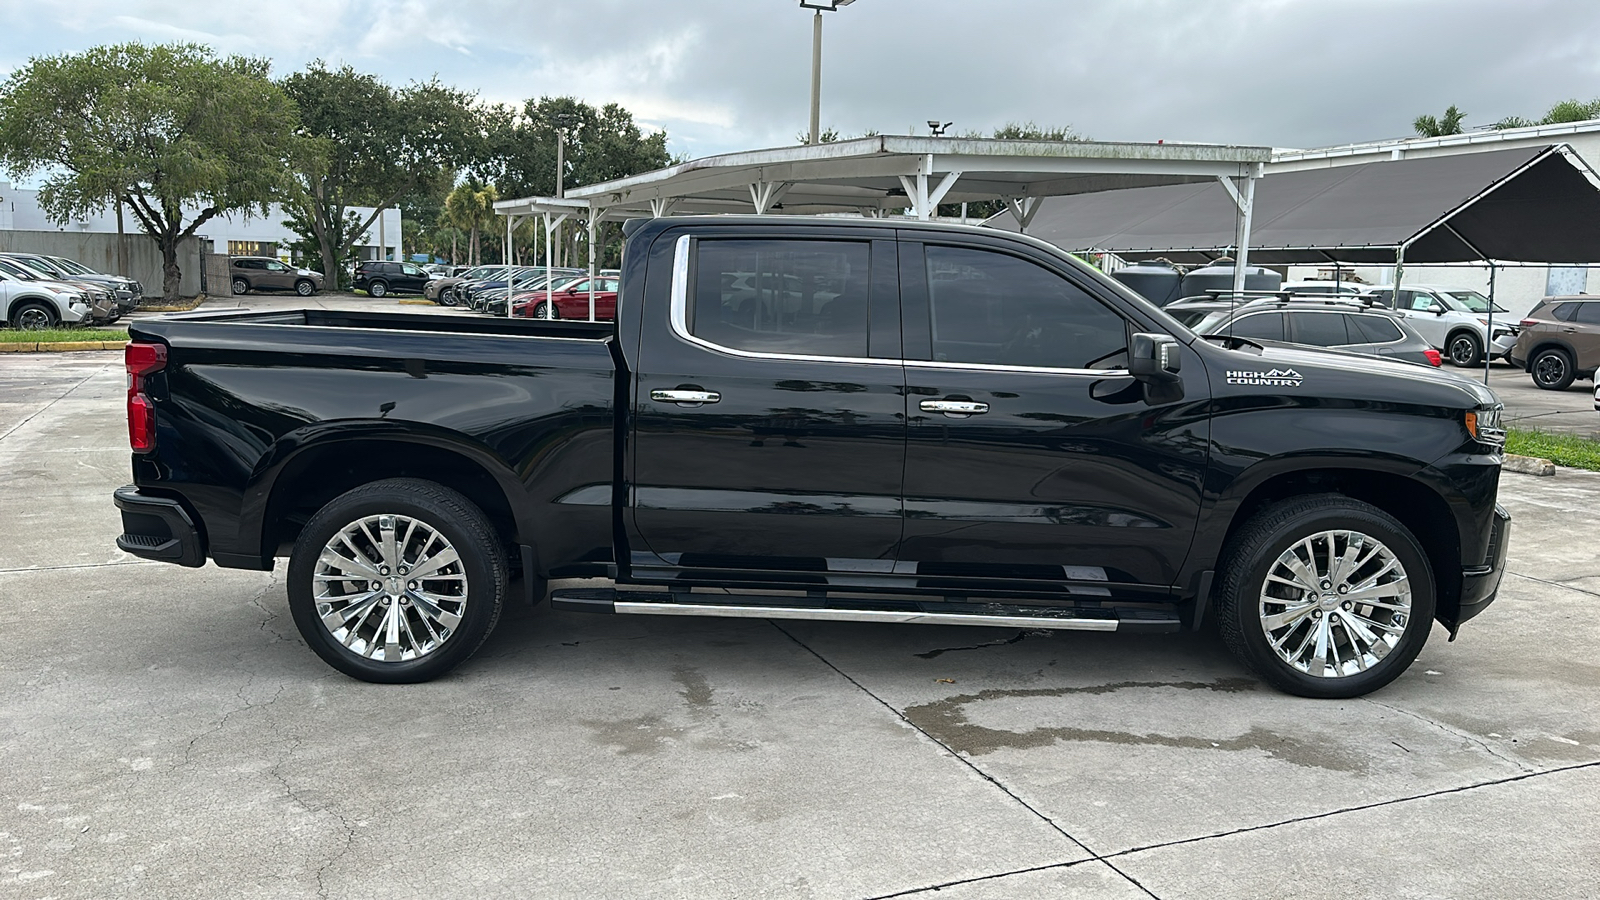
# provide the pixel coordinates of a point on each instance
(20, 211)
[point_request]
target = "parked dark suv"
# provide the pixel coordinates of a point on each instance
(1560, 341)
(380, 278)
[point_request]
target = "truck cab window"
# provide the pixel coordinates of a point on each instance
(795, 297)
(994, 309)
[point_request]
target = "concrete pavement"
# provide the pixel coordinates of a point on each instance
(165, 733)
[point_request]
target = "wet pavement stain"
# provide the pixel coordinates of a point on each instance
(946, 721)
(696, 691)
(631, 737)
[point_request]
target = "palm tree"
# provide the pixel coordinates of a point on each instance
(470, 207)
(1449, 123)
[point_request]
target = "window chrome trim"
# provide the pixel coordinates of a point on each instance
(680, 321)
(680, 327)
(998, 367)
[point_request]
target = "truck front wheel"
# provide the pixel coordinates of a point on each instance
(397, 581)
(1325, 596)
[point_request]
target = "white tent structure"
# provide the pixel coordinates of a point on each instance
(888, 175)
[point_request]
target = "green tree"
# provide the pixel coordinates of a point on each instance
(1011, 131)
(600, 145)
(173, 131)
(364, 143)
(1449, 123)
(1561, 113)
(470, 207)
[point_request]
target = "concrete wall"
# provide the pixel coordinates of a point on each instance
(99, 252)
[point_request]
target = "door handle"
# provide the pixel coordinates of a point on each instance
(955, 409)
(685, 397)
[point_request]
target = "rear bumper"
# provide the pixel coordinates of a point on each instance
(1480, 584)
(158, 528)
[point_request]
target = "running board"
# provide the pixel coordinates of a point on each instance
(600, 600)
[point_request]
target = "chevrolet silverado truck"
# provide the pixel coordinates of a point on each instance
(855, 420)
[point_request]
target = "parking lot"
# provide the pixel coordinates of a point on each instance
(167, 734)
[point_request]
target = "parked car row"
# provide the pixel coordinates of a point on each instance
(1353, 324)
(39, 291)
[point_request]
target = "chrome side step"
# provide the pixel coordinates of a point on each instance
(662, 604)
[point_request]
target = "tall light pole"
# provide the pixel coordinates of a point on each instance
(821, 6)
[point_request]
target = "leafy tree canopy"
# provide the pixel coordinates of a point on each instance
(1560, 114)
(600, 144)
(365, 143)
(174, 131)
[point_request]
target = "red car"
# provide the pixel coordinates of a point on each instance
(572, 301)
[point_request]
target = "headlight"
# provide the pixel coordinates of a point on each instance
(1484, 425)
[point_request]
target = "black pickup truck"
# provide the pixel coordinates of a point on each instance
(822, 419)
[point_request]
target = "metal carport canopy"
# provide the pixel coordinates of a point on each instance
(1521, 205)
(883, 173)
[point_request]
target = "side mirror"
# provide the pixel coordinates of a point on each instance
(1436, 309)
(1154, 357)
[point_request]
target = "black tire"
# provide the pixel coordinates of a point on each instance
(1464, 349)
(545, 310)
(1552, 369)
(378, 289)
(481, 559)
(1256, 550)
(447, 297)
(240, 286)
(304, 287)
(34, 315)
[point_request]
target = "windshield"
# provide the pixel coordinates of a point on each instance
(72, 266)
(1471, 301)
(26, 271)
(1210, 322)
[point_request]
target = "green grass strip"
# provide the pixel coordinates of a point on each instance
(1561, 449)
(59, 335)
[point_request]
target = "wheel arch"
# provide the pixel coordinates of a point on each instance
(1548, 343)
(310, 470)
(1415, 504)
(18, 302)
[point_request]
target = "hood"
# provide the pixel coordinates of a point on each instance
(1331, 373)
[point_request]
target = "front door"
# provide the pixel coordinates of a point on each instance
(1032, 456)
(769, 408)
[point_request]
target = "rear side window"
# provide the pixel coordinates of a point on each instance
(796, 297)
(994, 309)
(1562, 312)
(1372, 329)
(1319, 329)
(1261, 326)
(1588, 314)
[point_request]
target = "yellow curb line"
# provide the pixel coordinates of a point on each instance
(60, 346)
(416, 302)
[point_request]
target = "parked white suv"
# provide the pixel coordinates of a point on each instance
(1454, 320)
(32, 305)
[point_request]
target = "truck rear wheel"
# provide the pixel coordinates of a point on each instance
(397, 581)
(1325, 596)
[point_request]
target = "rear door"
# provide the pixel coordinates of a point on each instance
(769, 406)
(1319, 329)
(1032, 456)
(1585, 334)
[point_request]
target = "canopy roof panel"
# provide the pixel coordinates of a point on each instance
(1517, 205)
(879, 173)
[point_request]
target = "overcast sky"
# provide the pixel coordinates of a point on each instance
(724, 75)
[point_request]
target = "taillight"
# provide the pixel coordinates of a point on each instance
(1434, 359)
(142, 360)
(1528, 323)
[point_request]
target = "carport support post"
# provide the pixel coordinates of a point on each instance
(511, 222)
(594, 214)
(1488, 330)
(1399, 269)
(1245, 202)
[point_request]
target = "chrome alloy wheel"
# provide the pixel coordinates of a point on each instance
(390, 588)
(1335, 604)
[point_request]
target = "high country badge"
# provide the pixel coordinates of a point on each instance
(1274, 378)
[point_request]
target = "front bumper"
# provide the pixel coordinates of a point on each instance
(1501, 348)
(1480, 584)
(158, 528)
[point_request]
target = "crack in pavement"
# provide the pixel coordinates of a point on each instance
(981, 878)
(1516, 762)
(107, 565)
(961, 759)
(1510, 779)
(1555, 583)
